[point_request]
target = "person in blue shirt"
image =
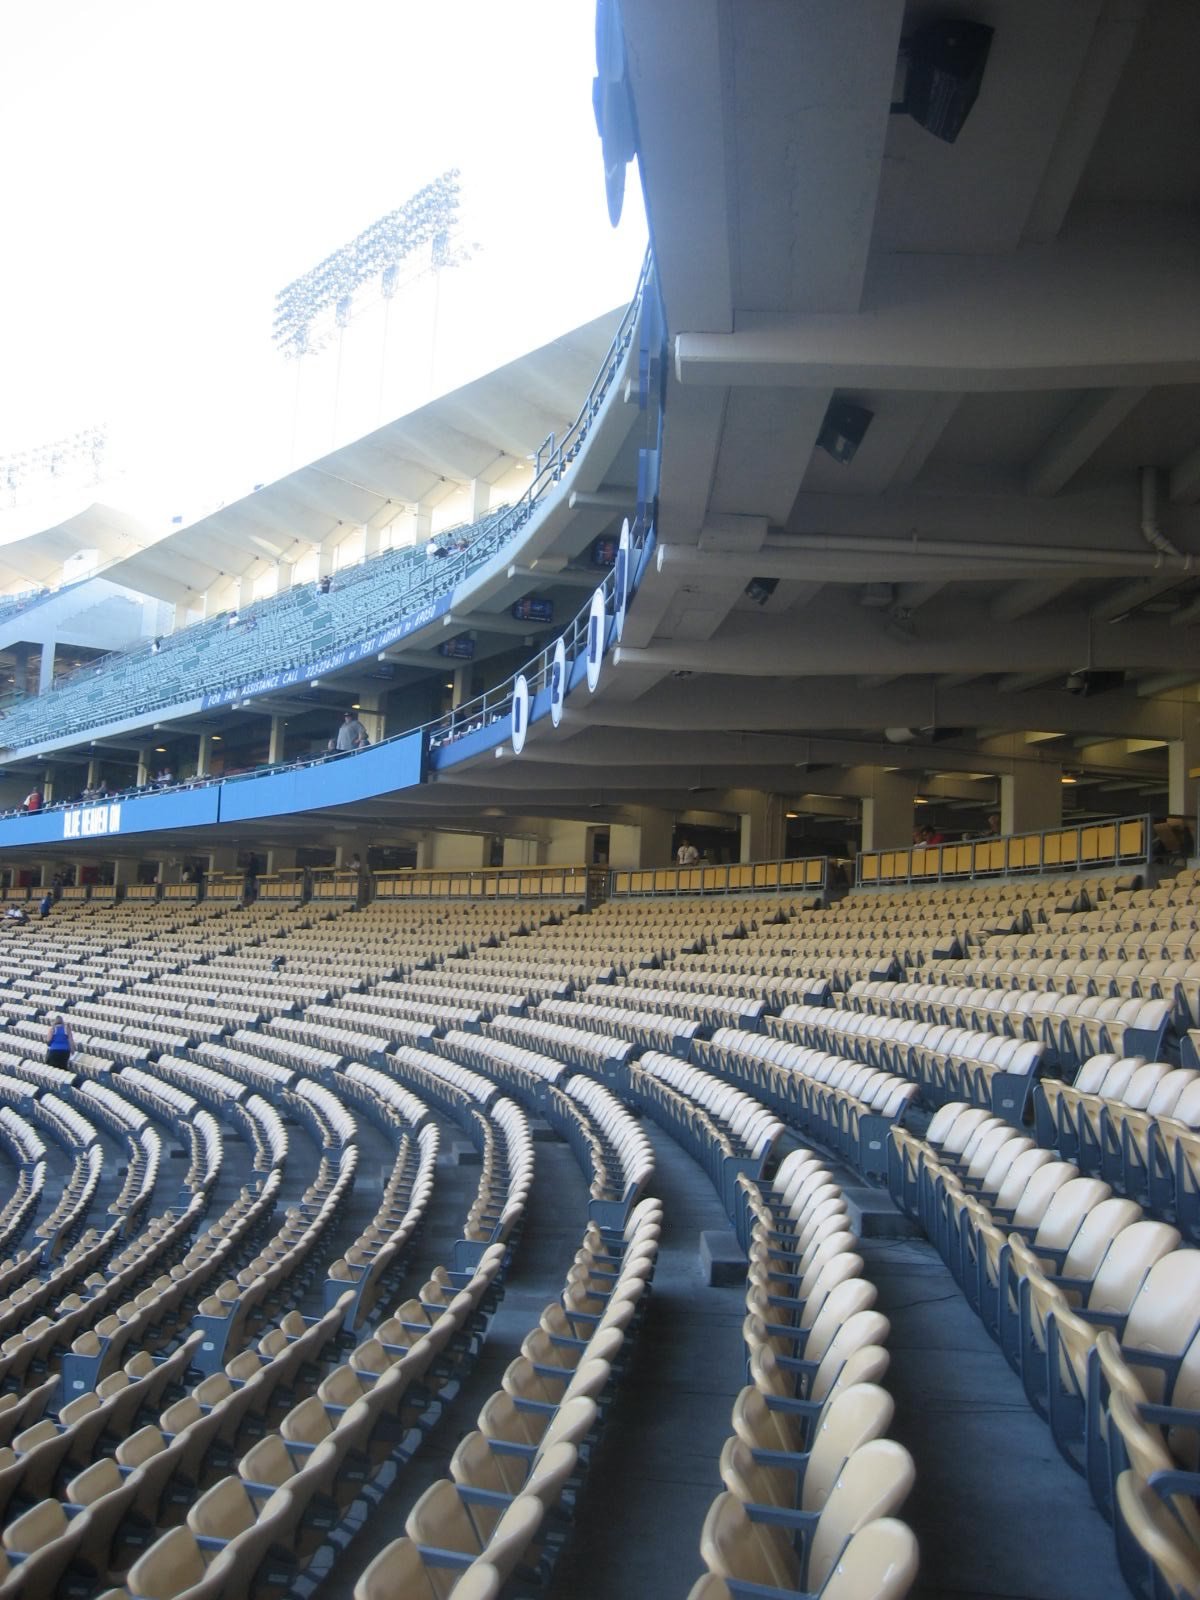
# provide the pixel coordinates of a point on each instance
(45, 903)
(60, 1044)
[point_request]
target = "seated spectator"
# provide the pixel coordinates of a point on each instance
(14, 914)
(435, 548)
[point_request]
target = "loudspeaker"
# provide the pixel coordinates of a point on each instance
(945, 70)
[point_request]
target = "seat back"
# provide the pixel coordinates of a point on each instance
(880, 1561)
(874, 1482)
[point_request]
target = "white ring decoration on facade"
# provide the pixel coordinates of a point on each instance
(597, 619)
(558, 681)
(520, 714)
(622, 578)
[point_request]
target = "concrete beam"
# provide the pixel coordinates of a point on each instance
(1078, 437)
(1112, 306)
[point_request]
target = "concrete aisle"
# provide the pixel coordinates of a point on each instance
(654, 1475)
(996, 1509)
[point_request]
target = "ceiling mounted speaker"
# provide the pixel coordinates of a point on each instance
(844, 429)
(946, 62)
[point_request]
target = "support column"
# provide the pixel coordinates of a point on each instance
(761, 825)
(223, 858)
(245, 591)
(1031, 798)
(284, 576)
(93, 773)
(654, 843)
(276, 746)
(422, 523)
(370, 715)
(48, 786)
(480, 499)
(372, 539)
(124, 870)
(461, 690)
(46, 672)
(204, 756)
(887, 810)
(280, 859)
(143, 766)
(325, 557)
(1183, 760)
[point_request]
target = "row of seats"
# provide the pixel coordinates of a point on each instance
(1070, 1027)
(845, 1105)
(1132, 1122)
(504, 1510)
(944, 1062)
(1096, 1308)
(811, 1483)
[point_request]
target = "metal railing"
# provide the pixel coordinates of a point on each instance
(1118, 842)
(810, 875)
(483, 883)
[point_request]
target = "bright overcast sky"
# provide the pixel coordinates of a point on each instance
(169, 168)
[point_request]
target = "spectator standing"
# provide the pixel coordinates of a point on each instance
(351, 732)
(60, 1044)
(687, 855)
(45, 904)
(33, 800)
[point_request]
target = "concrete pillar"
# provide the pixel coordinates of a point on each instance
(48, 785)
(93, 773)
(461, 690)
(1031, 798)
(422, 523)
(887, 810)
(143, 766)
(424, 851)
(170, 872)
(325, 555)
(46, 673)
(372, 538)
(520, 852)
(654, 843)
(223, 858)
(761, 825)
(479, 499)
(245, 591)
(370, 715)
(280, 859)
(276, 746)
(204, 756)
(285, 573)
(1183, 760)
(124, 870)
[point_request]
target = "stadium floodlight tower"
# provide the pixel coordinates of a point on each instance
(312, 308)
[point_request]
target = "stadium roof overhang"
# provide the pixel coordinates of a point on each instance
(1015, 316)
(478, 432)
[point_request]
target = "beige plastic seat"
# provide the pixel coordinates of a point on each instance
(855, 1416)
(874, 1481)
(398, 1571)
(1159, 1536)
(438, 1520)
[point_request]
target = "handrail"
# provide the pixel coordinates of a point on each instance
(482, 883)
(808, 874)
(456, 566)
(1115, 841)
